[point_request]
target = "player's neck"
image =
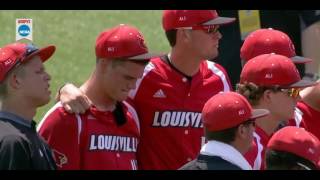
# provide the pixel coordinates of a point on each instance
(184, 62)
(22, 108)
(239, 145)
(99, 99)
(268, 124)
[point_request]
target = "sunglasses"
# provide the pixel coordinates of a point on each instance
(30, 48)
(250, 122)
(292, 92)
(211, 29)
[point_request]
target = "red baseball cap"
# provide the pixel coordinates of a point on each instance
(14, 53)
(272, 70)
(122, 41)
(297, 141)
(265, 41)
(173, 19)
(228, 109)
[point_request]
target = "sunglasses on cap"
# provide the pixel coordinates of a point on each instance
(30, 48)
(292, 92)
(211, 29)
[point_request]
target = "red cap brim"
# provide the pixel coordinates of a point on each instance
(44, 53)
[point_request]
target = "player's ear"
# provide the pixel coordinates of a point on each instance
(267, 95)
(103, 65)
(242, 131)
(14, 80)
(187, 34)
(184, 35)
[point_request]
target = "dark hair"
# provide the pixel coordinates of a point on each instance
(141, 62)
(253, 92)
(172, 37)
(281, 160)
(226, 136)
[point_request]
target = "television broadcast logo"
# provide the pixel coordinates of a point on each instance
(23, 29)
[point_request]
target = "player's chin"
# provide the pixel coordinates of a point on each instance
(45, 99)
(48, 92)
(213, 56)
(290, 115)
(122, 97)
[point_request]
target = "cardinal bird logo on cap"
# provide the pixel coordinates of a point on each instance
(60, 158)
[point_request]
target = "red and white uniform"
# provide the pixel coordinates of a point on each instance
(256, 155)
(92, 141)
(308, 118)
(169, 107)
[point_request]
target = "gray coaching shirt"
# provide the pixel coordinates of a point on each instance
(20, 145)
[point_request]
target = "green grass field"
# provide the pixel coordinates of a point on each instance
(74, 34)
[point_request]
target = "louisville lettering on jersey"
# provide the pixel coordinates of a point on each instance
(113, 143)
(177, 119)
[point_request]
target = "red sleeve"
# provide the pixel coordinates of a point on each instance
(60, 130)
(251, 155)
(226, 75)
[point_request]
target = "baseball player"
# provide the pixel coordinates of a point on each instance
(107, 134)
(170, 96)
(229, 123)
(24, 86)
(265, 41)
(293, 148)
(272, 82)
